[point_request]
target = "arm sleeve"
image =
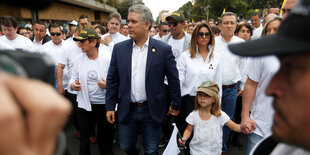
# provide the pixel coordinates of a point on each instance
(112, 83)
(173, 79)
(190, 118)
(181, 66)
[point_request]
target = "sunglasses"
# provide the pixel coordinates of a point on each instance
(173, 24)
(207, 34)
(165, 31)
(55, 34)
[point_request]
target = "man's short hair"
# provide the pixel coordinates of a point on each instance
(211, 20)
(102, 29)
(227, 14)
(115, 15)
(40, 23)
(21, 28)
(83, 17)
(256, 14)
(8, 21)
(145, 12)
(54, 26)
(162, 23)
(123, 25)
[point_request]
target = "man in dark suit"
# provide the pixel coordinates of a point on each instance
(136, 82)
(40, 37)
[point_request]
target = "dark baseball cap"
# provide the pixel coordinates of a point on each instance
(85, 34)
(177, 16)
(292, 37)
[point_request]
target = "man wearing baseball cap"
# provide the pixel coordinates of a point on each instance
(88, 78)
(72, 27)
(180, 42)
(290, 87)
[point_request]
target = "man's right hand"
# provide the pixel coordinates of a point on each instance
(61, 90)
(249, 124)
(110, 116)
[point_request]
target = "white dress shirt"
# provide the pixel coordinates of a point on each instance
(194, 71)
(38, 46)
(257, 32)
(116, 38)
(138, 68)
(232, 65)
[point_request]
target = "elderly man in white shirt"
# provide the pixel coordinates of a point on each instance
(113, 36)
(232, 65)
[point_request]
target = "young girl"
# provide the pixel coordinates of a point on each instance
(207, 120)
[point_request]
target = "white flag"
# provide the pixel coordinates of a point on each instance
(172, 147)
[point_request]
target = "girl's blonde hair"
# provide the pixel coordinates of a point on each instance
(215, 109)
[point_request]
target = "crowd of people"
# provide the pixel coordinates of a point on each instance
(143, 78)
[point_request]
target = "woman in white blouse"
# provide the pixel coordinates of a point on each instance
(196, 65)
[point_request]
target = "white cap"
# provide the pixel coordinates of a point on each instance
(73, 22)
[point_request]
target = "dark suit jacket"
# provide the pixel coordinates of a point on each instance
(45, 39)
(160, 63)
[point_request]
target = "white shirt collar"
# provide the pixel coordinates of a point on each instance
(146, 44)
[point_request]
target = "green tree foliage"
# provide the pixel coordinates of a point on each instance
(199, 9)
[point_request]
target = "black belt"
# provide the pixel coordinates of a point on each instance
(228, 86)
(139, 103)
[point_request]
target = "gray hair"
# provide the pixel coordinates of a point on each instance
(145, 12)
(227, 14)
(115, 15)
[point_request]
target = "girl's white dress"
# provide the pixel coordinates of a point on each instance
(207, 138)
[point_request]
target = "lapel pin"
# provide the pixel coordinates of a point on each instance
(211, 66)
(153, 50)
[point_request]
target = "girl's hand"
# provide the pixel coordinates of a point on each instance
(182, 143)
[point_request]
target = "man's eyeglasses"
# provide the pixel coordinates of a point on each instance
(207, 34)
(165, 31)
(173, 24)
(55, 34)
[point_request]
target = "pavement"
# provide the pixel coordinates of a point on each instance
(73, 144)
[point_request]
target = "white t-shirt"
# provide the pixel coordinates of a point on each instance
(207, 138)
(261, 70)
(96, 94)
(177, 47)
(4, 46)
(20, 42)
(69, 53)
(194, 71)
(55, 52)
(88, 73)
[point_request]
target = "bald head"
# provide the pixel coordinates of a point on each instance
(268, 17)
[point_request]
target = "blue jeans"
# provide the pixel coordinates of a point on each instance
(252, 140)
(139, 120)
(229, 99)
